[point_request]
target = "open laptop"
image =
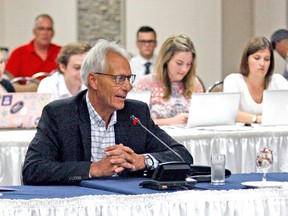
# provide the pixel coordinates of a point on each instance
(275, 107)
(143, 96)
(213, 109)
(22, 109)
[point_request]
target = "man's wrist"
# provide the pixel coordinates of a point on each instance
(149, 163)
(254, 119)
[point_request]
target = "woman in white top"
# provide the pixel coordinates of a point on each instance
(256, 75)
(67, 81)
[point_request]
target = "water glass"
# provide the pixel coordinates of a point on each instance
(218, 169)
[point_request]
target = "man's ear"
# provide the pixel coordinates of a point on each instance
(62, 68)
(92, 81)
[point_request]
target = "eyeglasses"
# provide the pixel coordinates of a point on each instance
(120, 79)
(44, 29)
(149, 42)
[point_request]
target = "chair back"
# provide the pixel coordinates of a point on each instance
(40, 75)
(201, 82)
(25, 84)
(216, 87)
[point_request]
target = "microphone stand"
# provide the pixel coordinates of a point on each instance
(168, 175)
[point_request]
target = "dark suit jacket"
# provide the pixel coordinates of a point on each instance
(60, 152)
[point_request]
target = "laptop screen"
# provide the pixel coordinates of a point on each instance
(211, 109)
(275, 107)
(22, 110)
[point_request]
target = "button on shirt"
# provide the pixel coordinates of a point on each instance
(100, 136)
(138, 65)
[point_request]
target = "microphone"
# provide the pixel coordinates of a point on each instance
(168, 175)
(136, 121)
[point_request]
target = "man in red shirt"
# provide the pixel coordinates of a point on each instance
(37, 56)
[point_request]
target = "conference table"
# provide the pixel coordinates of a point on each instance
(124, 196)
(239, 143)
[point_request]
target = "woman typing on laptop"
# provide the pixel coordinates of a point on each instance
(174, 82)
(256, 75)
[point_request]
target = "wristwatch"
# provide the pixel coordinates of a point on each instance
(148, 162)
(254, 119)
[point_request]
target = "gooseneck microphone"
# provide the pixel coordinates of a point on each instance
(136, 121)
(167, 175)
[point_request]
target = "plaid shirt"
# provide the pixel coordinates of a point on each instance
(100, 136)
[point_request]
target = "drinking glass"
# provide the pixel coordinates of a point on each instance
(264, 160)
(218, 169)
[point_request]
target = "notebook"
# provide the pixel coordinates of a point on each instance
(213, 109)
(143, 96)
(22, 110)
(275, 107)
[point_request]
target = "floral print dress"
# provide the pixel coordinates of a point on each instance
(159, 107)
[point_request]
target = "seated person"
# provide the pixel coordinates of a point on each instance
(279, 41)
(146, 42)
(67, 81)
(37, 56)
(91, 135)
(256, 75)
(5, 84)
(173, 83)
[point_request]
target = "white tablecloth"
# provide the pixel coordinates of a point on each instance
(239, 146)
(13, 147)
(217, 203)
(238, 143)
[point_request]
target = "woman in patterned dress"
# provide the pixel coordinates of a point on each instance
(173, 83)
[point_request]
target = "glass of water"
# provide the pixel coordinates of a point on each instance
(218, 162)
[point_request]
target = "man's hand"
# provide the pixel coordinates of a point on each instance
(117, 159)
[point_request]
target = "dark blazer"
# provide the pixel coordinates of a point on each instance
(7, 85)
(60, 152)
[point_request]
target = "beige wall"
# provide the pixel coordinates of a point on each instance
(270, 16)
(19, 17)
(237, 28)
(219, 28)
(201, 20)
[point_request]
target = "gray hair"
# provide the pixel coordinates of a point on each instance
(47, 16)
(94, 61)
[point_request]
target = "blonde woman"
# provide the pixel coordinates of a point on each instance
(173, 82)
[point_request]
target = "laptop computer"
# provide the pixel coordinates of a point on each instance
(275, 107)
(213, 109)
(22, 109)
(143, 96)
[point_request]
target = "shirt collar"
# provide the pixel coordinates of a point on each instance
(95, 118)
(63, 90)
(143, 60)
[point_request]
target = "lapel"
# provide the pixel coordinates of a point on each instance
(122, 128)
(84, 126)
